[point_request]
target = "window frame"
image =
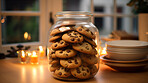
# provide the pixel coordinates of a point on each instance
(45, 7)
(115, 15)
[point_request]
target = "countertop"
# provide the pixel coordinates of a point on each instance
(13, 72)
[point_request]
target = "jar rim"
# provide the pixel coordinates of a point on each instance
(73, 13)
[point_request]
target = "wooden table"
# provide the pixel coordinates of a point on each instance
(13, 72)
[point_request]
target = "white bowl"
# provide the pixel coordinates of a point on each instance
(126, 56)
(105, 59)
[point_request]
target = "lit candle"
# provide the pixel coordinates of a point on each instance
(41, 51)
(34, 58)
(23, 57)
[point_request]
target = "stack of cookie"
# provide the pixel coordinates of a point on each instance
(72, 52)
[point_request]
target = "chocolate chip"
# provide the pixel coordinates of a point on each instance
(68, 51)
(80, 36)
(61, 52)
(52, 52)
(76, 62)
(83, 69)
(80, 29)
(72, 39)
(76, 36)
(78, 39)
(69, 61)
(92, 33)
(81, 49)
(78, 71)
(56, 45)
(87, 30)
(75, 33)
(61, 42)
(87, 48)
(65, 74)
(69, 34)
(60, 73)
(87, 70)
(84, 74)
(66, 54)
(62, 68)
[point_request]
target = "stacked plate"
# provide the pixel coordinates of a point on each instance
(126, 54)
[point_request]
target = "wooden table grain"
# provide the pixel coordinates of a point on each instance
(13, 72)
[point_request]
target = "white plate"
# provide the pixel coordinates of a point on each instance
(105, 59)
(126, 67)
(126, 56)
(127, 44)
(127, 50)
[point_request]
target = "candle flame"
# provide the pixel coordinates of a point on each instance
(29, 54)
(34, 54)
(40, 48)
(23, 54)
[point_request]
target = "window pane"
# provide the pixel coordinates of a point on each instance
(123, 8)
(103, 6)
(20, 5)
(76, 5)
(14, 27)
(104, 24)
(128, 24)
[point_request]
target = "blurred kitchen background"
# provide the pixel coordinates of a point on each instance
(27, 22)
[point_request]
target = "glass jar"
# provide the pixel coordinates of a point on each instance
(73, 46)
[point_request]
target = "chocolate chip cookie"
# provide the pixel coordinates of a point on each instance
(72, 37)
(83, 47)
(54, 61)
(59, 44)
(54, 38)
(93, 69)
(65, 53)
(71, 62)
(60, 30)
(85, 31)
(53, 67)
(52, 54)
(90, 41)
(62, 72)
(81, 72)
(89, 59)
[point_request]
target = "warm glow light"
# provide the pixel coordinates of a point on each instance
(3, 20)
(34, 54)
(25, 35)
(29, 37)
(29, 54)
(40, 48)
(23, 54)
(34, 58)
(47, 51)
(41, 51)
(103, 51)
